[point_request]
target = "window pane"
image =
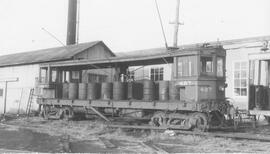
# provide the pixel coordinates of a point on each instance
(161, 77)
(243, 83)
(189, 68)
(243, 91)
(206, 64)
(209, 66)
(237, 83)
(240, 76)
(152, 71)
(237, 91)
(219, 67)
(243, 74)
(236, 74)
(156, 77)
(180, 69)
(243, 65)
(152, 77)
(161, 70)
(237, 66)
(156, 71)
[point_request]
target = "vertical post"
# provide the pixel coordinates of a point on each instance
(64, 76)
(70, 76)
(5, 100)
(49, 75)
(174, 68)
(39, 75)
(80, 76)
(259, 73)
(176, 24)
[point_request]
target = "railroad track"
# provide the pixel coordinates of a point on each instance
(233, 135)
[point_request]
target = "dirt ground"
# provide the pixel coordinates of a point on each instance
(89, 136)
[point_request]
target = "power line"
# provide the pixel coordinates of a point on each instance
(161, 24)
(53, 36)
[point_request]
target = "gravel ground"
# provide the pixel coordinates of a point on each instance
(84, 136)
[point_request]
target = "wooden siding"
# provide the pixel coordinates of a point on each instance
(95, 52)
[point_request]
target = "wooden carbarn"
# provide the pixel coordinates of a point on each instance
(23, 69)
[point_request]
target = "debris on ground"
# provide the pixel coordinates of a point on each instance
(94, 135)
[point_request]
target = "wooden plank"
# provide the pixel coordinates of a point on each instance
(232, 135)
(137, 127)
(152, 146)
(130, 104)
(98, 113)
(107, 143)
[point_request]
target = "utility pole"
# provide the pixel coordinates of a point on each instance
(176, 24)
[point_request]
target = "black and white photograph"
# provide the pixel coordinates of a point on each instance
(135, 76)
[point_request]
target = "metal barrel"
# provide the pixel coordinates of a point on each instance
(65, 91)
(135, 90)
(164, 90)
(259, 97)
(265, 97)
(93, 90)
(148, 90)
(156, 90)
(106, 90)
(173, 92)
(82, 91)
(119, 90)
(73, 90)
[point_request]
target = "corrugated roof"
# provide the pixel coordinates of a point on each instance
(47, 55)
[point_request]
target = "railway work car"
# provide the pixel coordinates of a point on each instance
(194, 98)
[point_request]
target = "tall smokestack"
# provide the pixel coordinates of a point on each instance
(71, 24)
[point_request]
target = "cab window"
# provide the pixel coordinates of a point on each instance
(206, 65)
(220, 66)
(186, 66)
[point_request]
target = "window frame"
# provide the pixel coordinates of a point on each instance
(186, 66)
(160, 73)
(240, 78)
(205, 73)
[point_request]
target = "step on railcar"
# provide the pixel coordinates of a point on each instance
(194, 98)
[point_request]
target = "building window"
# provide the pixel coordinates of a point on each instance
(96, 78)
(240, 78)
(157, 73)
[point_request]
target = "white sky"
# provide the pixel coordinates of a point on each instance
(126, 25)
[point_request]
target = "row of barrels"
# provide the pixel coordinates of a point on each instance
(144, 90)
(259, 97)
